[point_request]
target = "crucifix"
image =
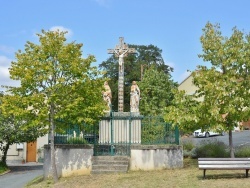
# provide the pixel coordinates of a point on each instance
(121, 50)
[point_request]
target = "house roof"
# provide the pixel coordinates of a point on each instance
(186, 78)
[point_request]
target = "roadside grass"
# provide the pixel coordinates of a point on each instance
(187, 177)
(3, 168)
(35, 181)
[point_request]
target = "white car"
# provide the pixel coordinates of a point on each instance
(206, 134)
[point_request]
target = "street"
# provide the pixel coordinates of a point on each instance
(239, 138)
(20, 175)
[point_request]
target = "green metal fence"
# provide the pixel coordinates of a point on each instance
(154, 131)
(77, 134)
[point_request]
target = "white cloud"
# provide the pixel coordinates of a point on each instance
(61, 28)
(4, 73)
(4, 65)
(4, 61)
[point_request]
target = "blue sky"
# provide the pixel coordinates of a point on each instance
(174, 26)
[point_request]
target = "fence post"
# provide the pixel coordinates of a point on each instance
(112, 136)
(176, 135)
(130, 122)
(166, 132)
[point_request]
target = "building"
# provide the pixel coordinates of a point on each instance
(27, 152)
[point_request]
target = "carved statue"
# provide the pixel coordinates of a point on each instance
(121, 59)
(107, 95)
(81, 135)
(134, 97)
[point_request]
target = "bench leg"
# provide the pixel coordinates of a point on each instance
(204, 173)
(247, 173)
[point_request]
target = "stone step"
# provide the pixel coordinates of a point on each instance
(107, 172)
(105, 162)
(111, 158)
(110, 167)
(109, 164)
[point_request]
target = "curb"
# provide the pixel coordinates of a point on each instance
(6, 172)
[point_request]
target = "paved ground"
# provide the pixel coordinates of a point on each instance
(239, 138)
(20, 175)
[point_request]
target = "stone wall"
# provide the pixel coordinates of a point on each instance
(154, 157)
(70, 160)
(77, 159)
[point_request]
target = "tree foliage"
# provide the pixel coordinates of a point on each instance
(15, 128)
(146, 56)
(156, 91)
(57, 83)
(224, 84)
(183, 111)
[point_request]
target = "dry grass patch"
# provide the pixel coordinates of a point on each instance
(189, 176)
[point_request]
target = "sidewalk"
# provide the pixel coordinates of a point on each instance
(19, 163)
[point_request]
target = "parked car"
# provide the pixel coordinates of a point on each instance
(199, 133)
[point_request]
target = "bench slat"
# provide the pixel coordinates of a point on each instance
(223, 159)
(223, 162)
(232, 167)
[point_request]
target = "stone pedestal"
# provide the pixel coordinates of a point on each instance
(120, 127)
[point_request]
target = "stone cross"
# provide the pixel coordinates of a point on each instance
(121, 50)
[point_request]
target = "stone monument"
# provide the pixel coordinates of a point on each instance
(122, 127)
(121, 50)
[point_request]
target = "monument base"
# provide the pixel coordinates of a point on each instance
(120, 127)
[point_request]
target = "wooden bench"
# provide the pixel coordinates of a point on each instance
(224, 164)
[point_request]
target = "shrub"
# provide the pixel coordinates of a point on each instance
(188, 145)
(242, 151)
(153, 130)
(76, 140)
(211, 149)
(188, 149)
(190, 154)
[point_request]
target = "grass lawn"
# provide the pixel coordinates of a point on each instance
(189, 176)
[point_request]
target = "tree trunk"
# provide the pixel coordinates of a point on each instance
(52, 144)
(5, 150)
(231, 144)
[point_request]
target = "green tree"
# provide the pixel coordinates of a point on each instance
(145, 57)
(13, 126)
(224, 84)
(57, 83)
(184, 111)
(156, 91)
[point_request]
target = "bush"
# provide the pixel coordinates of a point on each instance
(188, 149)
(153, 130)
(211, 149)
(188, 145)
(242, 151)
(189, 154)
(76, 140)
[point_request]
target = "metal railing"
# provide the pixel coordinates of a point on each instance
(154, 131)
(77, 134)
